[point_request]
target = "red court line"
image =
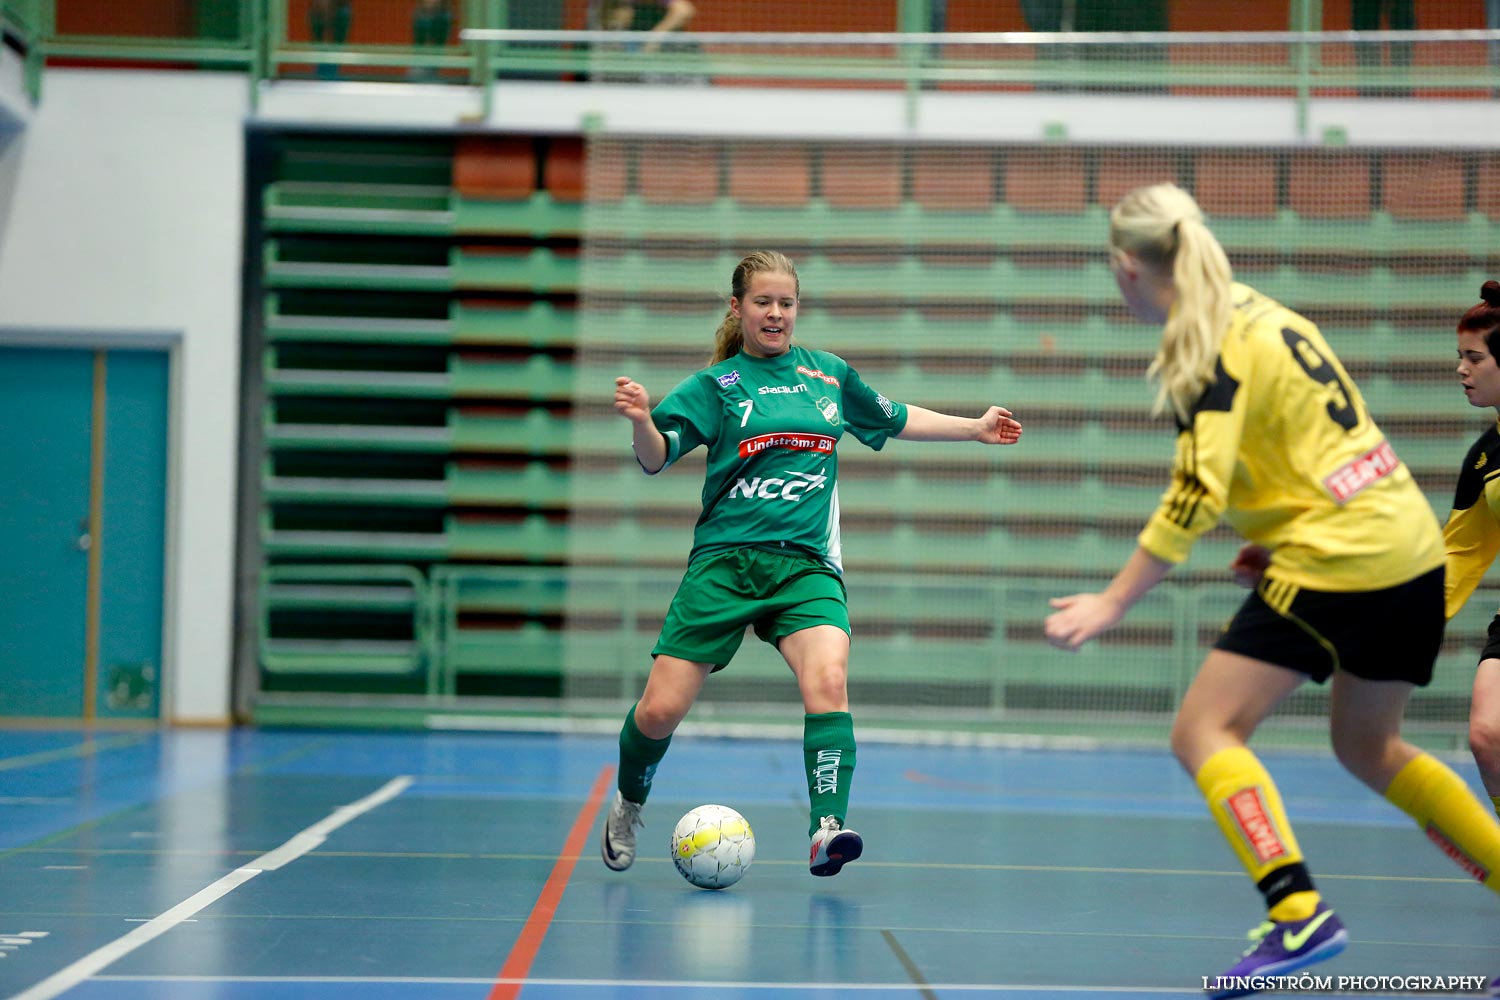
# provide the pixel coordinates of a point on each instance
(529, 941)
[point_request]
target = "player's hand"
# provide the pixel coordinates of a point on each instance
(1250, 565)
(632, 401)
(997, 426)
(1078, 618)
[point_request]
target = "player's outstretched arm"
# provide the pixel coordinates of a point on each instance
(1080, 617)
(996, 426)
(633, 402)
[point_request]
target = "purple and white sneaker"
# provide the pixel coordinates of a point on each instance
(1281, 947)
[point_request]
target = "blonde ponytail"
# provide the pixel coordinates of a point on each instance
(1162, 226)
(730, 336)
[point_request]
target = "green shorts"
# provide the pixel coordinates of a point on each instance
(777, 592)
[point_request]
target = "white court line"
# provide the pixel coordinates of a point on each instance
(62, 981)
(699, 987)
(703, 987)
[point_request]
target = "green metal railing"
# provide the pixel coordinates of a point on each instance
(1302, 61)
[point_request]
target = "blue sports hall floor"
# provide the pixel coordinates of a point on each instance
(294, 864)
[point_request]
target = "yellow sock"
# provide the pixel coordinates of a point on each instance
(1245, 803)
(1451, 816)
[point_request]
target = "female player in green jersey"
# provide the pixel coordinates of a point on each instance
(766, 547)
(1346, 559)
(1472, 533)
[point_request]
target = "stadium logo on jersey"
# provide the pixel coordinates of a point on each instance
(771, 488)
(1248, 810)
(814, 373)
(1355, 475)
(725, 381)
(829, 409)
(886, 406)
(778, 389)
(791, 442)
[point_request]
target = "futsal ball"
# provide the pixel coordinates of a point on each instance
(713, 846)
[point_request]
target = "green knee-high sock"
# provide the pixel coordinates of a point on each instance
(639, 755)
(828, 753)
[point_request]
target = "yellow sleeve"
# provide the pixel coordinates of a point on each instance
(1207, 451)
(1472, 538)
(1472, 534)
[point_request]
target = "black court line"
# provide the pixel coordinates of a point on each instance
(912, 972)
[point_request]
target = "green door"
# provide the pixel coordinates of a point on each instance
(83, 438)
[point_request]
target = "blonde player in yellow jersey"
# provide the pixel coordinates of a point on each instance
(1345, 556)
(1473, 529)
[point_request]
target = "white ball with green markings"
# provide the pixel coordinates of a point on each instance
(713, 846)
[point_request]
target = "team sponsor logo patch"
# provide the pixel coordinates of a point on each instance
(826, 771)
(1247, 808)
(1355, 475)
(791, 488)
(1476, 870)
(790, 442)
(814, 373)
(725, 381)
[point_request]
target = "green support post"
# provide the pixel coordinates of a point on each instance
(253, 14)
(913, 16)
(1305, 16)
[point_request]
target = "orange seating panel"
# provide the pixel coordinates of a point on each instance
(771, 174)
(1487, 186)
(1051, 180)
(678, 172)
(1236, 183)
(1121, 171)
(1425, 186)
(953, 178)
(498, 167)
(562, 169)
(862, 176)
(1329, 185)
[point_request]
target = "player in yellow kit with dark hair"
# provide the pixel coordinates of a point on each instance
(1346, 560)
(1473, 529)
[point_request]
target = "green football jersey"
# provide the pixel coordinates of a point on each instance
(771, 426)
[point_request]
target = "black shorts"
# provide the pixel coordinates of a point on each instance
(1379, 635)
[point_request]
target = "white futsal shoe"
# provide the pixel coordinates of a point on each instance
(833, 847)
(617, 842)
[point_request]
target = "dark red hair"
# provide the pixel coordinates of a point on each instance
(1484, 318)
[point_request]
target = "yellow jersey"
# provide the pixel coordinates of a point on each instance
(1282, 446)
(1472, 533)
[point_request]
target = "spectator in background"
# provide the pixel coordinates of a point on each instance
(1052, 16)
(431, 22)
(431, 25)
(1116, 15)
(328, 21)
(657, 18)
(661, 17)
(1398, 15)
